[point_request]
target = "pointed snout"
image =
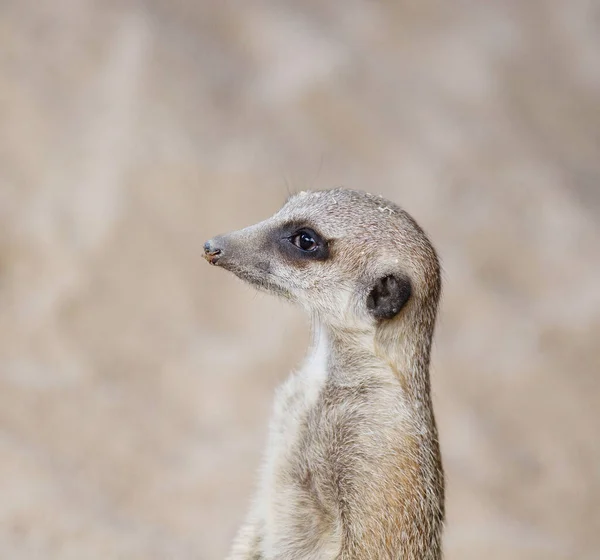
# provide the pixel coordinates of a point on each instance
(236, 250)
(214, 249)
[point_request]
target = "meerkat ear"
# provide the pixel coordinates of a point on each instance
(388, 296)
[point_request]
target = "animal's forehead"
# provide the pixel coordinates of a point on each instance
(330, 199)
(342, 210)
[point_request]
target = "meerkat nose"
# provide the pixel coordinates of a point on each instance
(212, 251)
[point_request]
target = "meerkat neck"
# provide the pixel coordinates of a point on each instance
(401, 348)
(406, 347)
(344, 350)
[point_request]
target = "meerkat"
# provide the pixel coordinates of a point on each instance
(352, 468)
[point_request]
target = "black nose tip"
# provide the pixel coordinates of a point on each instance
(212, 253)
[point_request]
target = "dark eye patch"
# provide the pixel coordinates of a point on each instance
(301, 242)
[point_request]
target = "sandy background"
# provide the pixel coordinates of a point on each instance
(135, 381)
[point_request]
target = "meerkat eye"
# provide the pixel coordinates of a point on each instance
(299, 242)
(304, 240)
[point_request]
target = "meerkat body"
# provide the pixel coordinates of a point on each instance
(352, 468)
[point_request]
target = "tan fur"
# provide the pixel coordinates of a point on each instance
(352, 469)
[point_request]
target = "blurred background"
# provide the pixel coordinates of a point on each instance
(136, 381)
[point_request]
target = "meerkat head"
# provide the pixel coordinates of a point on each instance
(352, 259)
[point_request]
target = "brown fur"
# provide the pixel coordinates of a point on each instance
(353, 468)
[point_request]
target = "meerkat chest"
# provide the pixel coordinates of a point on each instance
(313, 415)
(292, 514)
(299, 394)
(294, 401)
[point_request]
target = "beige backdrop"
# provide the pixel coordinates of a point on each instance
(136, 381)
